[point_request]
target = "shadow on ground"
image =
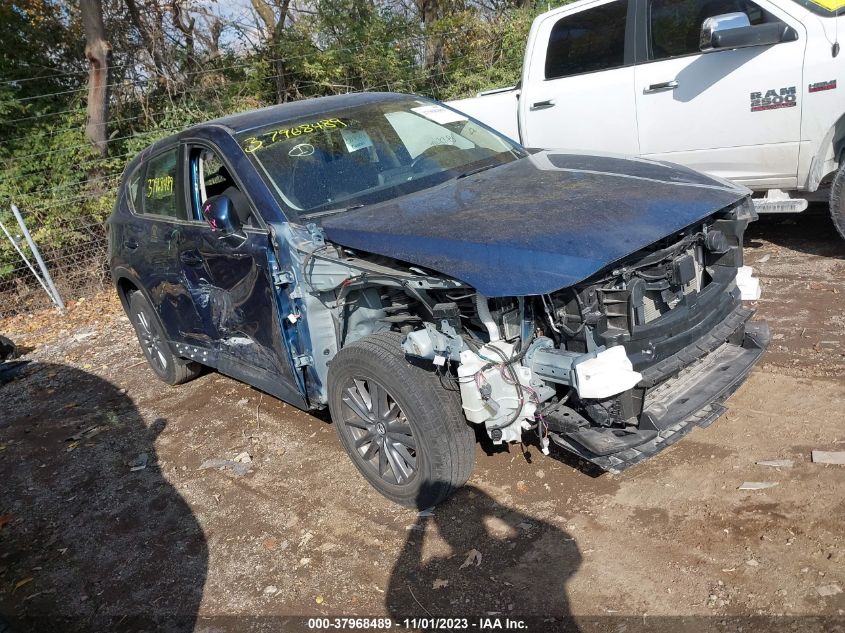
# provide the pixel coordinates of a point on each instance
(92, 535)
(811, 232)
(475, 558)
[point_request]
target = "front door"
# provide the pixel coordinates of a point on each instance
(231, 281)
(579, 93)
(732, 113)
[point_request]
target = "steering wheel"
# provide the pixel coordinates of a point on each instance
(430, 152)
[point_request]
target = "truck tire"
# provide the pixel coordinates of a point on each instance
(168, 367)
(402, 427)
(837, 199)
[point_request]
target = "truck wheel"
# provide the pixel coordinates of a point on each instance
(402, 428)
(837, 199)
(169, 368)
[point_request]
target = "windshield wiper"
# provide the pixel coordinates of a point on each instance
(477, 170)
(320, 214)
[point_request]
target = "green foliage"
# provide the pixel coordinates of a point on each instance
(66, 190)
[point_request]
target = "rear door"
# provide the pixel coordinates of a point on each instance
(578, 84)
(153, 241)
(733, 113)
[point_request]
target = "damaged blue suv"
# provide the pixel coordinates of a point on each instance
(419, 274)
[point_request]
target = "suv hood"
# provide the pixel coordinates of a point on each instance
(538, 224)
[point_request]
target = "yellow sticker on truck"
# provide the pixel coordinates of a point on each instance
(830, 5)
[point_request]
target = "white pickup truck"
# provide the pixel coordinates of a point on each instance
(751, 91)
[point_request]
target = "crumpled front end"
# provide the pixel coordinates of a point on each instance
(616, 367)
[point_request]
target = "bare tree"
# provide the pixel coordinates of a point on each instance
(274, 14)
(185, 23)
(98, 53)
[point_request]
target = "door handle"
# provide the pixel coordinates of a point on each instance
(131, 243)
(661, 87)
(191, 259)
(542, 105)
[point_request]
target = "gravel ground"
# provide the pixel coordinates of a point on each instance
(109, 521)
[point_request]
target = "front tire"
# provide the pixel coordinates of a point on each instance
(168, 367)
(837, 199)
(402, 427)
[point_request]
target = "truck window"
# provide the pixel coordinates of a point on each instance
(161, 187)
(588, 41)
(675, 25)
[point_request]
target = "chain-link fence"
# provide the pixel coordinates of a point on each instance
(77, 270)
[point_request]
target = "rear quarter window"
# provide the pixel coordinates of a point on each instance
(133, 189)
(161, 186)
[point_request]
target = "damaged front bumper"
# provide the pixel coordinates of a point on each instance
(684, 391)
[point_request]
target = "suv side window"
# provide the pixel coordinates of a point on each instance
(675, 25)
(588, 41)
(210, 177)
(161, 186)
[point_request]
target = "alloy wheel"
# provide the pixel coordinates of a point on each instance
(381, 434)
(151, 341)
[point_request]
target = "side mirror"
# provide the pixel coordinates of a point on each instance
(219, 212)
(734, 30)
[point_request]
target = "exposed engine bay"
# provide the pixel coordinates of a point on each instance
(612, 368)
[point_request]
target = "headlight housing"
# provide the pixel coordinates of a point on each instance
(744, 210)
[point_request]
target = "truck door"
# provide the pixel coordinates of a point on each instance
(578, 81)
(733, 113)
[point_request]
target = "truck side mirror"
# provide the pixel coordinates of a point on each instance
(219, 213)
(734, 30)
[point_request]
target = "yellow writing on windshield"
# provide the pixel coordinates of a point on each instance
(254, 143)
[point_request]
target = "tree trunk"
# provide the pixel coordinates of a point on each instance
(98, 54)
(429, 12)
(273, 14)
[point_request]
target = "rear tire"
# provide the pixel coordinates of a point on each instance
(393, 416)
(168, 367)
(837, 199)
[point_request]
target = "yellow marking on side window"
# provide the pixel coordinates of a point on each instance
(254, 143)
(159, 187)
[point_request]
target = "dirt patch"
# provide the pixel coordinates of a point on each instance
(122, 529)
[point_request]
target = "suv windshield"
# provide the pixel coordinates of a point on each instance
(362, 155)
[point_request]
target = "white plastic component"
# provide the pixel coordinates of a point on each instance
(503, 399)
(419, 344)
(609, 373)
(483, 311)
(748, 284)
